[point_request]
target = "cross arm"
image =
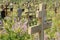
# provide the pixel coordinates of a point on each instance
(37, 28)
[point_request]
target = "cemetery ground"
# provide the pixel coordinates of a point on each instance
(21, 30)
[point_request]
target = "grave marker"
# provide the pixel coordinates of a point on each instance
(40, 28)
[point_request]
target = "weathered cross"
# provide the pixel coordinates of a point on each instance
(40, 28)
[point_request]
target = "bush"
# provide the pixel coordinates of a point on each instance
(12, 35)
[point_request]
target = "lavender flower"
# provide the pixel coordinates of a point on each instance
(22, 26)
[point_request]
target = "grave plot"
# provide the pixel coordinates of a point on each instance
(37, 29)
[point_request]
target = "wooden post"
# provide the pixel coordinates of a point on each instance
(43, 12)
